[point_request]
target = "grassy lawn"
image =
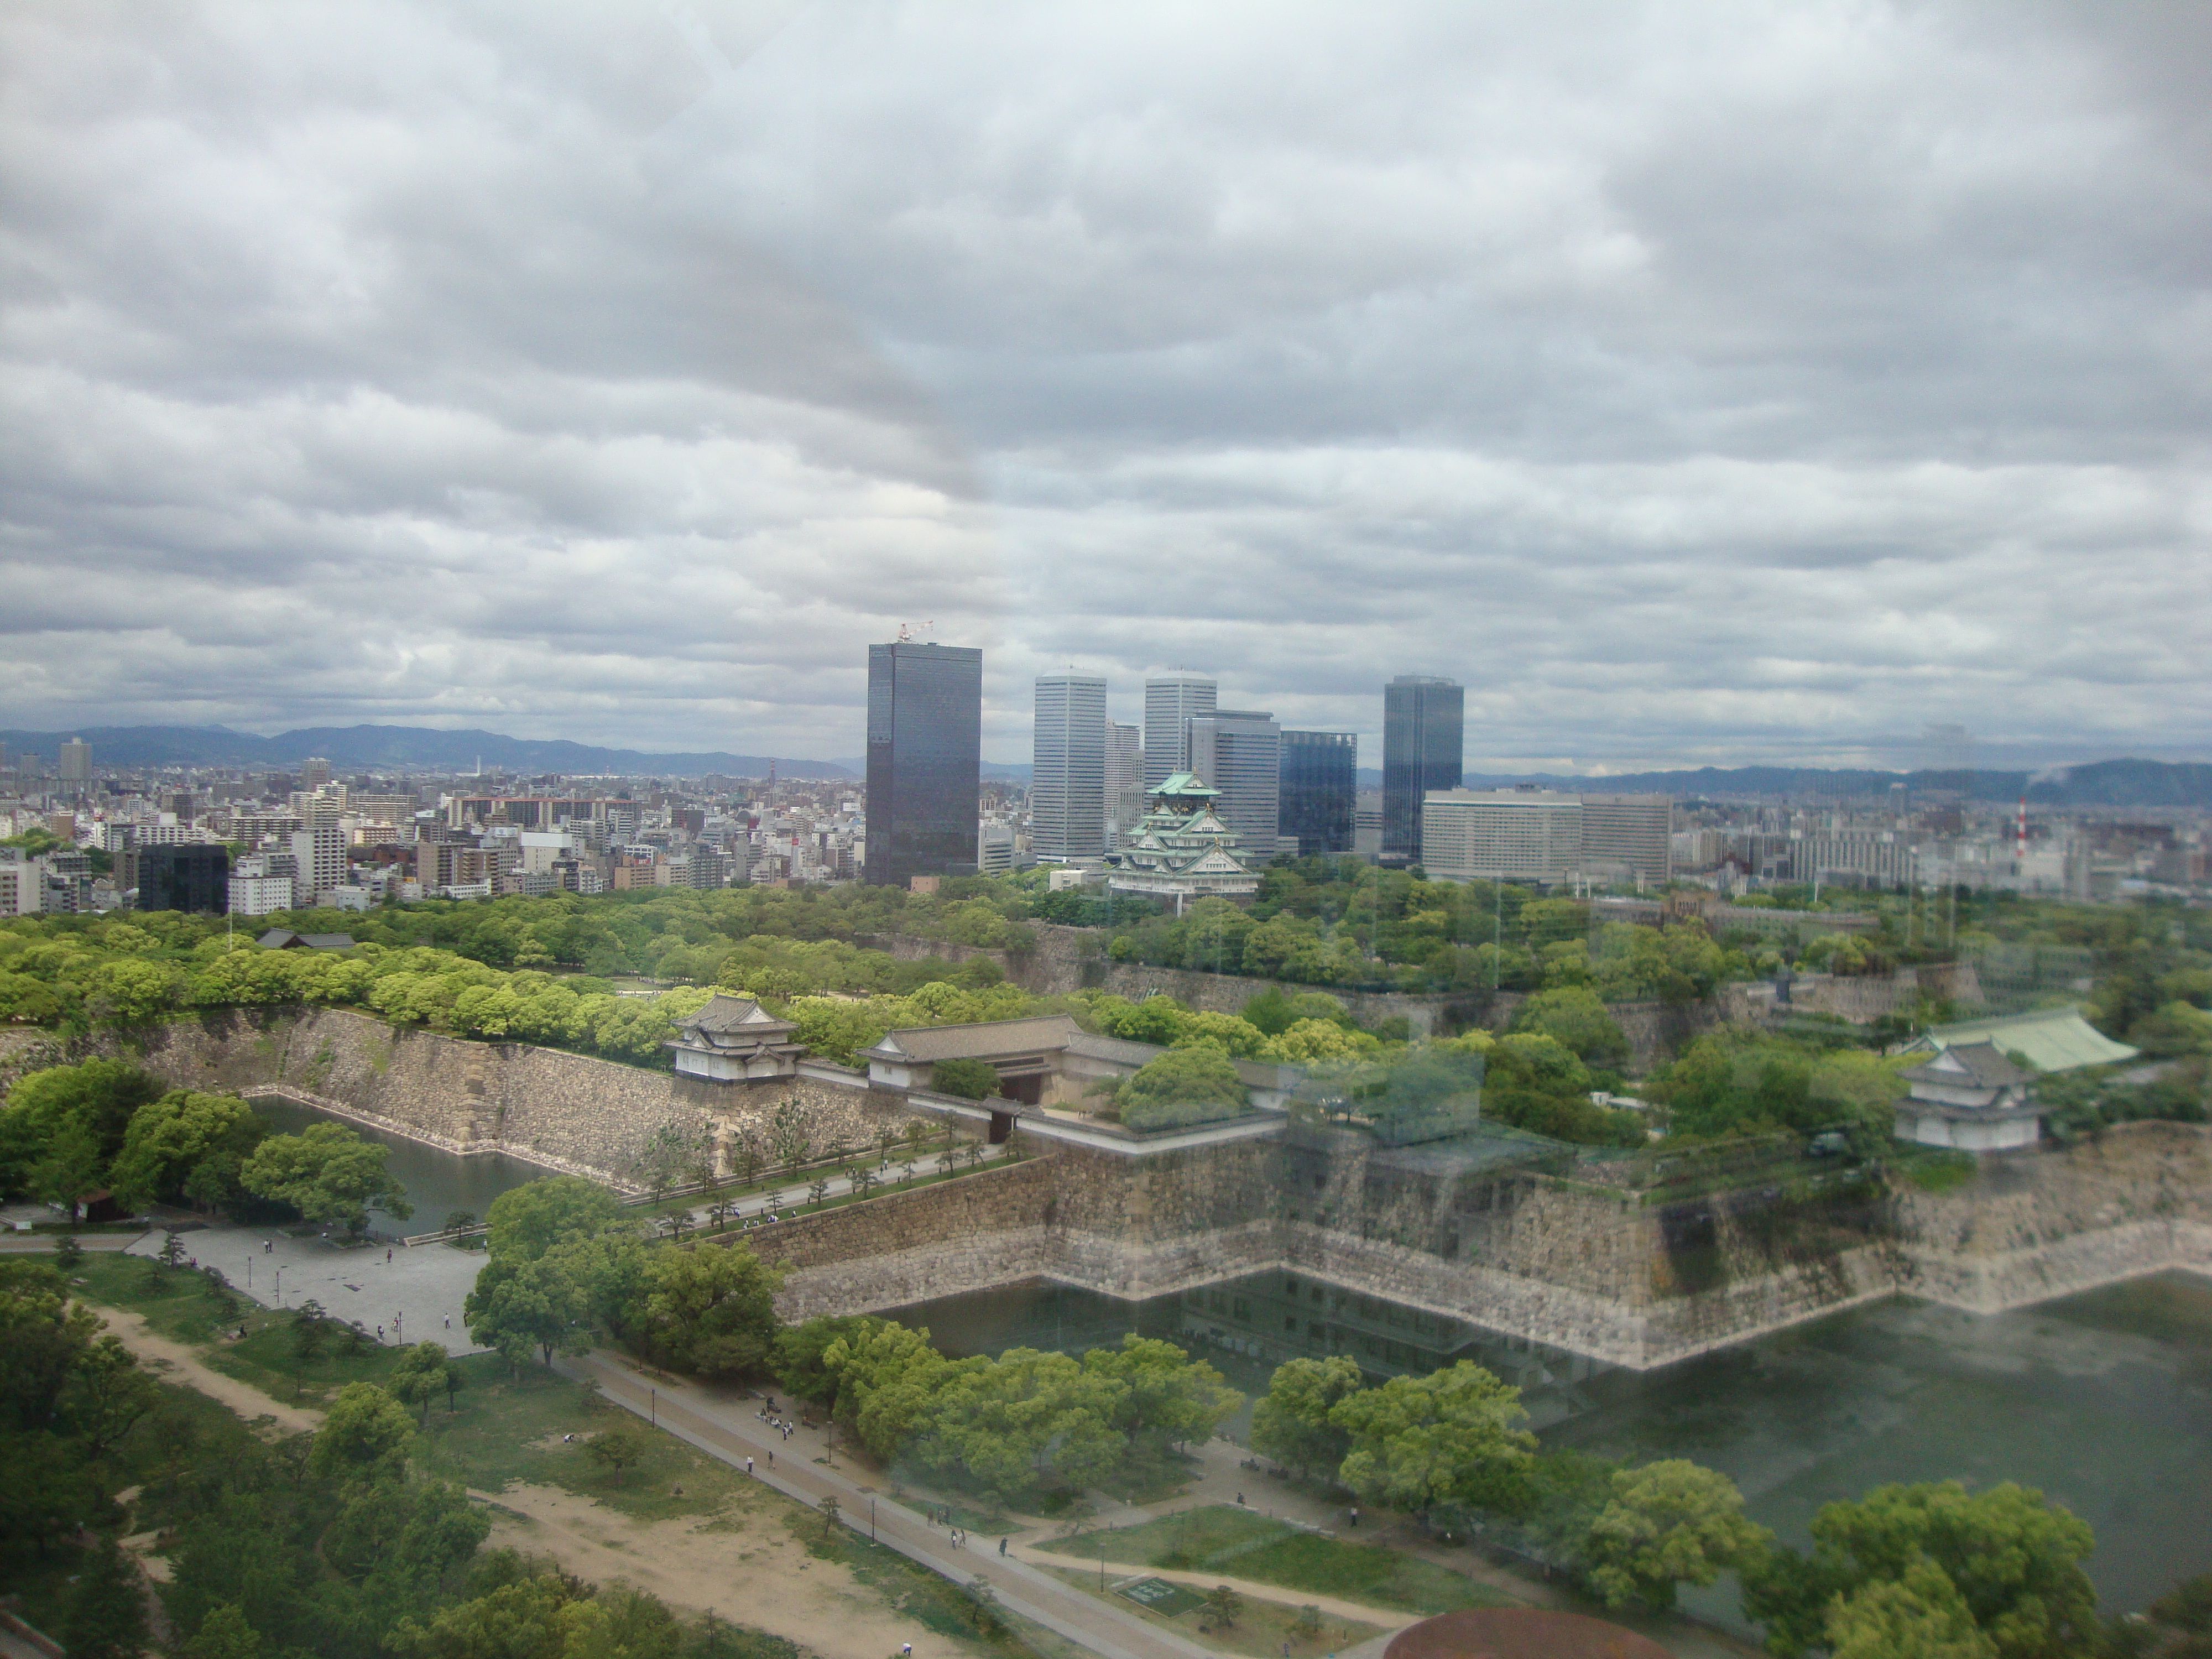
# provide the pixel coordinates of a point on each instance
(1225, 1538)
(188, 1307)
(1262, 1631)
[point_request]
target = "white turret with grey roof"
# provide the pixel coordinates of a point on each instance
(1970, 1098)
(735, 1040)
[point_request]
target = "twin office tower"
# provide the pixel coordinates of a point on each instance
(1282, 792)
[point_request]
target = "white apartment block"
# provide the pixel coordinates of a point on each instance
(259, 895)
(1509, 835)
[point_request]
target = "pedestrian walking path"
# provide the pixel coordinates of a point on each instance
(725, 1425)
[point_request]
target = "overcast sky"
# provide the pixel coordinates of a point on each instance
(1696, 384)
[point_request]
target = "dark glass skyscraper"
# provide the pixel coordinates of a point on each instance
(1320, 782)
(1424, 733)
(184, 877)
(924, 756)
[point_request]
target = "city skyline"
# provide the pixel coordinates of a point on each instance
(1764, 385)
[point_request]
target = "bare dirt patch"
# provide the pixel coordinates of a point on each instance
(180, 1363)
(744, 1566)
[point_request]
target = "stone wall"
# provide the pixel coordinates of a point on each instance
(2031, 1225)
(1861, 999)
(1530, 1253)
(569, 1111)
(1526, 1254)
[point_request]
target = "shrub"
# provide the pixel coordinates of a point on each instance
(971, 1079)
(1183, 1086)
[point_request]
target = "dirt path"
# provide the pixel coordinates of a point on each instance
(744, 1567)
(160, 1355)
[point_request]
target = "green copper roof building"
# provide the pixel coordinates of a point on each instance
(2049, 1039)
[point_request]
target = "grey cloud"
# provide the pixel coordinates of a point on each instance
(1720, 383)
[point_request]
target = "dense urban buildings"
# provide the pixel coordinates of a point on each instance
(1240, 752)
(1067, 774)
(1171, 702)
(1423, 721)
(1320, 784)
(925, 760)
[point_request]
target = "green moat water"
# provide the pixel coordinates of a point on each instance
(2103, 1401)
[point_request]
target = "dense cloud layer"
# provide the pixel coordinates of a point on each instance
(1767, 383)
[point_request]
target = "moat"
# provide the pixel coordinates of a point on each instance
(2104, 1400)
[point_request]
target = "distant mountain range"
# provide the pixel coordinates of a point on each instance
(2100, 783)
(354, 747)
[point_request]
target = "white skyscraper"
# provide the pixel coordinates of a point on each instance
(1170, 704)
(1067, 777)
(1125, 780)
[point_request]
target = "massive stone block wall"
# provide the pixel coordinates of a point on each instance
(1535, 1253)
(2028, 1227)
(569, 1111)
(1571, 1266)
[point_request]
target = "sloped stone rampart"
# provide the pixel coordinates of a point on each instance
(1573, 1267)
(1593, 1270)
(568, 1110)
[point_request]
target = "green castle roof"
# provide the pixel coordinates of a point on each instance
(1184, 783)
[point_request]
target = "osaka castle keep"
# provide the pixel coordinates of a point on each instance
(1179, 849)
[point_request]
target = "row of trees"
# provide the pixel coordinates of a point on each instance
(568, 1268)
(70, 1131)
(1340, 922)
(1906, 1572)
(1013, 1430)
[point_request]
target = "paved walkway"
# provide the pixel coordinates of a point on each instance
(725, 1425)
(410, 1293)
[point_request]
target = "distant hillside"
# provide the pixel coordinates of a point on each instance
(2100, 783)
(2117, 783)
(351, 747)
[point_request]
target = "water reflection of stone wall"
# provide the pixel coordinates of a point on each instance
(578, 1113)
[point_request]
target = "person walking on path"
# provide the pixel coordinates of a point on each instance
(749, 1468)
(1002, 1547)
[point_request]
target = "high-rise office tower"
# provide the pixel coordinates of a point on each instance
(925, 760)
(1170, 704)
(76, 765)
(1125, 780)
(1239, 751)
(1423, 732)
(1320, 781)
(314, 772)
(1067, 774)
